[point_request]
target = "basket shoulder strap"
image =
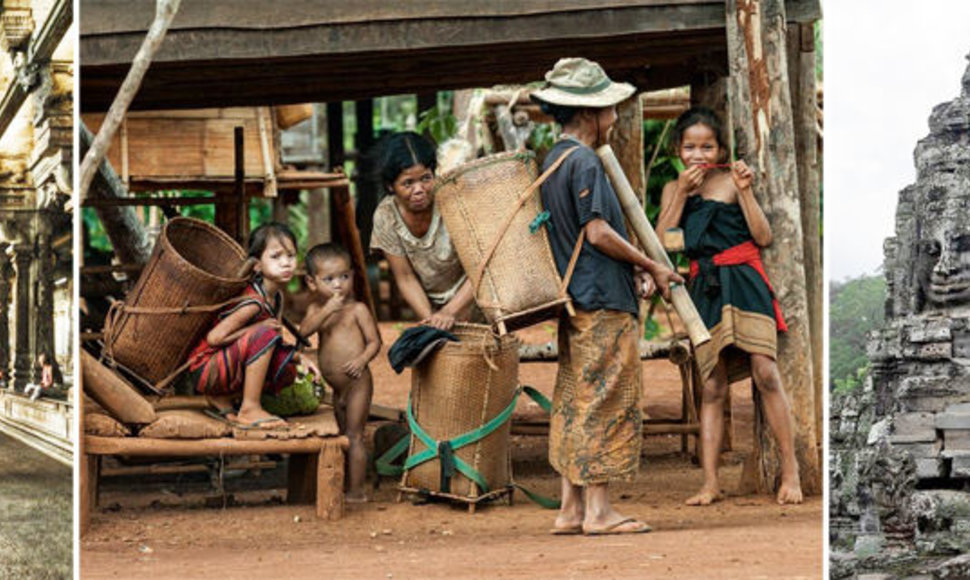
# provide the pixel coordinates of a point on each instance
(480, 271)
(572, 262)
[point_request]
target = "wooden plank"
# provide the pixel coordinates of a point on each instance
(117, 16)
(175, 146)
(194, 447)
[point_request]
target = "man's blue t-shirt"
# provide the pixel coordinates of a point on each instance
(599, 282)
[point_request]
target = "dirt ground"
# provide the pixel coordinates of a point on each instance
(162, 528)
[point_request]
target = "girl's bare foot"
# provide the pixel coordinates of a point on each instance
(706, 496)
(355, 498)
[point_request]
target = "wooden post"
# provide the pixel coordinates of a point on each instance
(764, 137)
(626, 138)
(231, 214)
(89, 469)
(345, 231)
(801, 59)
(330, 482)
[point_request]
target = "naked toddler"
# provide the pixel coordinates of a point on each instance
(348, 341)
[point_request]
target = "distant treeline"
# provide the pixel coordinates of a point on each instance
(856, 307)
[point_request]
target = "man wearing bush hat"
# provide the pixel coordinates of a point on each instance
(596, 424)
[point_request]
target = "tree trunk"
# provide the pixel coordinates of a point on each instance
(764, 136)
(801, 59)
(128, 237)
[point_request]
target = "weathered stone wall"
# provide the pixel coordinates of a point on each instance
(900, 446)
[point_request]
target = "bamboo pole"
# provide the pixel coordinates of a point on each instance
(651, 245)
(164, 13)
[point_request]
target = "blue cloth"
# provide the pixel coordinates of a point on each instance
(599, 282)
(415, 344)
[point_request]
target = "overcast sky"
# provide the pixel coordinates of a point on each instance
(887, 63)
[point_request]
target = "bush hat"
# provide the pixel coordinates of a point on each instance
(578, 82)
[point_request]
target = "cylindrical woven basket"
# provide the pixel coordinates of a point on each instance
(193, 264)
(456, 391)
(520, 285)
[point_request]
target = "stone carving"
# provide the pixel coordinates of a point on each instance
(900, 445)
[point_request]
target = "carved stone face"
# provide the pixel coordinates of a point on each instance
(943, 259)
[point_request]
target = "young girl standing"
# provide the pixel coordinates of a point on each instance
(724, 229)
(243, 353)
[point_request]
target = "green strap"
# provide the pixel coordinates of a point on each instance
(384, 463)
(539, 398)
(434, 447)
(543, 501)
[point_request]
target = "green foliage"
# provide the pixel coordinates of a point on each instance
(666, 167)
(651, 328)
(542, 139)
(851, 382)
(439, 122)
(96, 236)
(856, 307)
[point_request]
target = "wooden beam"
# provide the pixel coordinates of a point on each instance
(191, 84)
(146, 447)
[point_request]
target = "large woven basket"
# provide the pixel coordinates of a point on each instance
(458, 389)
(194, 264)
(520, 284)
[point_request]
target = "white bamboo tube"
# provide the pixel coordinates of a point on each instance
(651, 245)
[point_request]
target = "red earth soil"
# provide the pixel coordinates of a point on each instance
(159, 534)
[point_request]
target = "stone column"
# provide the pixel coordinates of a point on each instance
(6, 273)
(44, 314)
(23, 363)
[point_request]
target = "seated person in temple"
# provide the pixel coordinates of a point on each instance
(35, 390)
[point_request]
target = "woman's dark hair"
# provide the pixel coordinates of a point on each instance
(562, 114)
(400, 151)
(261, 236)
(694, 116)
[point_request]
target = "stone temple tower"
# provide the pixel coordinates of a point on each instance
(901, 448)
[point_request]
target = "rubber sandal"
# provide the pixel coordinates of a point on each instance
(255, 425)
(614, 529)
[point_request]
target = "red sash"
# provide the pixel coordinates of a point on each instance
(750, 254)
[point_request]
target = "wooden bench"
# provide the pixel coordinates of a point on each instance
(316, 466)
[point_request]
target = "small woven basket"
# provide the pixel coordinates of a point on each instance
(458, 389)
(194, 264)
(520, 285)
